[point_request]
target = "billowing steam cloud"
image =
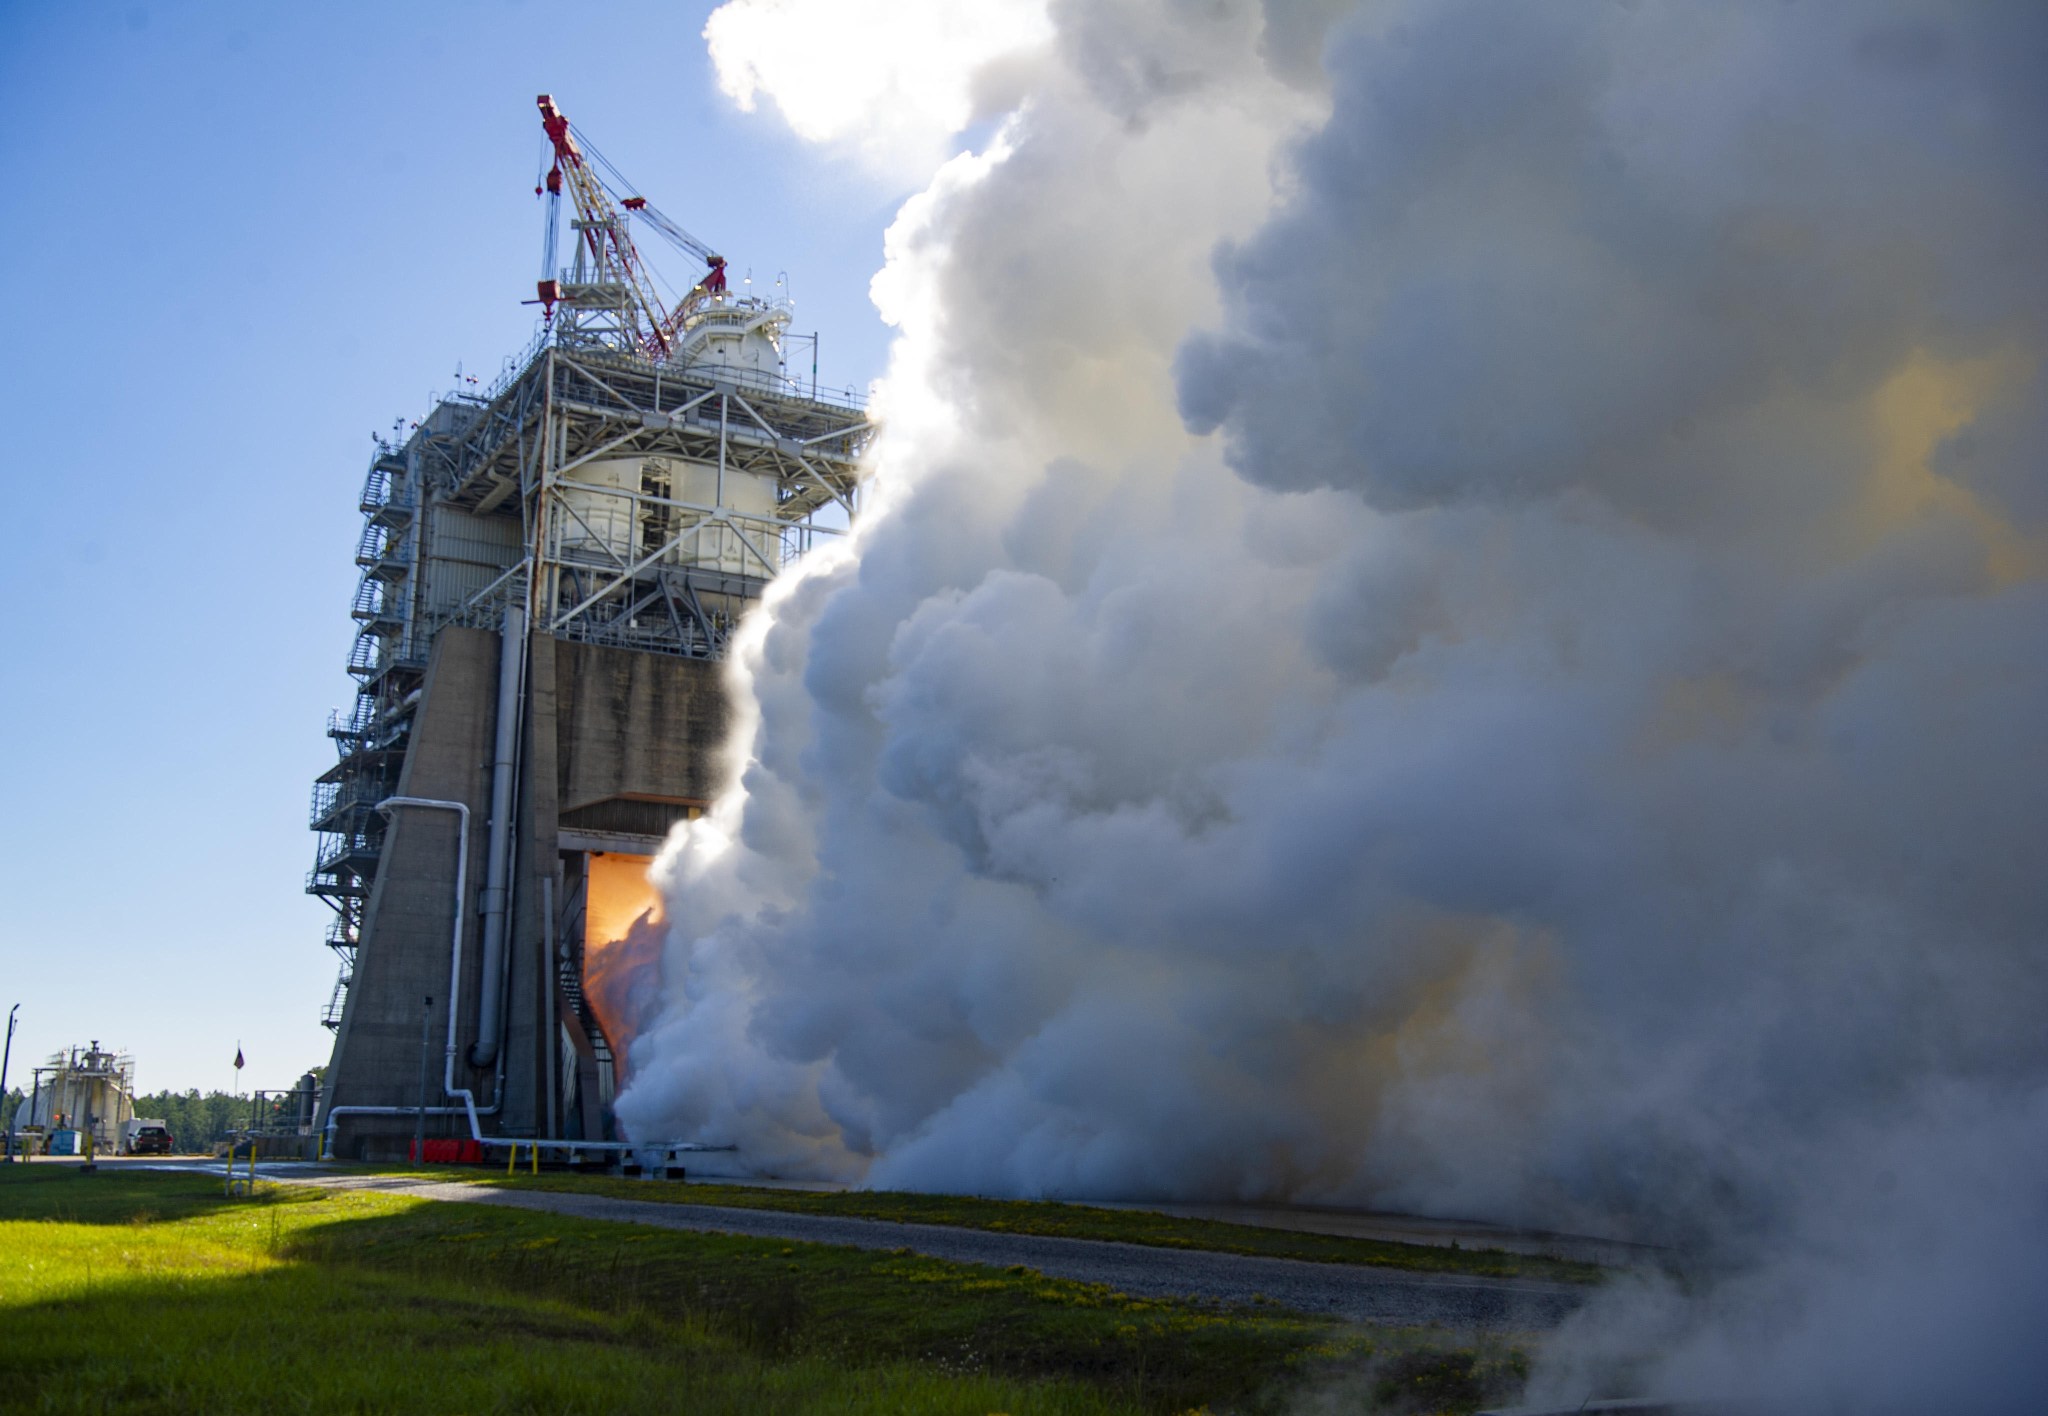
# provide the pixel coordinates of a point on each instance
(1452, 619)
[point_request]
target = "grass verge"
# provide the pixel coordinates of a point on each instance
(151, 1292)
(1063, 1220)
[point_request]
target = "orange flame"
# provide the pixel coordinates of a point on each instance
(622, 936)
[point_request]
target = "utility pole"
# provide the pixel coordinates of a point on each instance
(419, 1122)
(35, 1100)
(7, 1055)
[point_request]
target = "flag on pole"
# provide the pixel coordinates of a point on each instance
(238, 1057)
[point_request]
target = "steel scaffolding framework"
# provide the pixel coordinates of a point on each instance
(498, 466)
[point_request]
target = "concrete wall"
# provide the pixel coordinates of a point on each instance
(403, 956)
(637, 725)
(613, 739)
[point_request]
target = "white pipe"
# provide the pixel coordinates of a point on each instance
(469, 1106)
(669, 1148)
(666, 1147)
(547, 980)
(455, 946)
(335, 1114)
(497, 860)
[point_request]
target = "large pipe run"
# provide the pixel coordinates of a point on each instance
(468, 1098)
(490, 1025)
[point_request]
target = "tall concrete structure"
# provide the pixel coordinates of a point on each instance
(551, 570)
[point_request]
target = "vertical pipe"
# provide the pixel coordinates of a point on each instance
(719, 499)
(498, 861)
(551, 1025)
(448, 1086)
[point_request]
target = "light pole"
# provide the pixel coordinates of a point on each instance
(35, 1101)
(419, 1121)
(7, 1055)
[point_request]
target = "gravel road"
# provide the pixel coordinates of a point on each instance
(1342, 1290)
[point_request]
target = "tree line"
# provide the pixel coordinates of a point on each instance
(195, 1121)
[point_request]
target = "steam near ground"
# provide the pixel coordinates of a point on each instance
(1451, 618)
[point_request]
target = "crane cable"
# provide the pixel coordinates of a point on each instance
(621, 191)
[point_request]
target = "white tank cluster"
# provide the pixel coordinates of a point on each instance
(81, 1093)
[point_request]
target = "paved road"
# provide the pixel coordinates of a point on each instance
(1409, 1229)
(1342, 1290)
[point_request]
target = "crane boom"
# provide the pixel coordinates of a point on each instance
(602, 228)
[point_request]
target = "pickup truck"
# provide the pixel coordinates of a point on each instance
(151, 1138)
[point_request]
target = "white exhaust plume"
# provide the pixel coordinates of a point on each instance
(1450, 619)
(890, 83)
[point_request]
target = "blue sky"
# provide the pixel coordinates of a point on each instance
(239, 238)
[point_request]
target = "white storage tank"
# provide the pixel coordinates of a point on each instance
(623, 510)
(734, 337)
(86, 1090)
(604, 525)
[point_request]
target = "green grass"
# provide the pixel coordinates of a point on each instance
(1070, 1221)
(149, 1291)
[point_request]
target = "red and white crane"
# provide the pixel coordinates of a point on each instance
(620, 278)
